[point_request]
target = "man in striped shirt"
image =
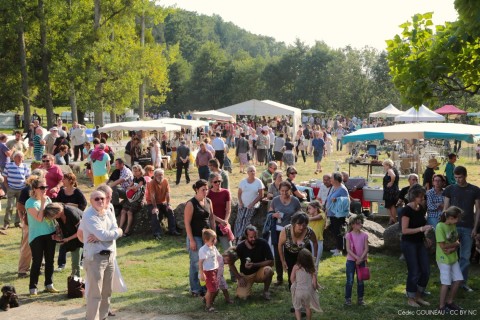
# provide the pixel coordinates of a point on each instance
(15, 174)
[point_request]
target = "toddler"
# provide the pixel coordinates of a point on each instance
(208, 267)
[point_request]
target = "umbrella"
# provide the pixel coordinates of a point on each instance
(313, 111)
(423, 130)
(450, 109)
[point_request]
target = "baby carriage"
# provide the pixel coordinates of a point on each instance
(227, 164)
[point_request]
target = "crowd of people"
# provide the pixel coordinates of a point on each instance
(51, 210)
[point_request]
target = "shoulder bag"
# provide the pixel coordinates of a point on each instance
(363, 272)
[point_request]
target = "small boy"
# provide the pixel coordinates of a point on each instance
(208, 267)
(222, 283)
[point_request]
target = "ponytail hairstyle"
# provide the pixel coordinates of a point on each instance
(453, 211)
(316, 204)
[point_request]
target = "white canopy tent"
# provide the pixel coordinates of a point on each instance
(312, 111)
(213, 114)
(388, 111)
(264, 108)
(140, 125)
(184, 123)
(422, 114)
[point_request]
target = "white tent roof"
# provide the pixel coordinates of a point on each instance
(213, 114)
(264, 108)
(184, 123)
(140, 125)
(312, 111)
(388, 111)
(422, 114)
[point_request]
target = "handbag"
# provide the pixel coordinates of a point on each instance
(75, 287)
(363, 272)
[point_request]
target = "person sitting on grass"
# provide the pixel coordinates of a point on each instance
(208, 267)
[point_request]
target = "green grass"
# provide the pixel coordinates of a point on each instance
(156, 273)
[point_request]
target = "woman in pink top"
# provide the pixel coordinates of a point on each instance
(357, 249)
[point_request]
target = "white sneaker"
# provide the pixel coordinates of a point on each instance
(333, 251)
(33, 292)
(60, 269)
(337, 254)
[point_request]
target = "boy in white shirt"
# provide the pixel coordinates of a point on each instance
(208, 267)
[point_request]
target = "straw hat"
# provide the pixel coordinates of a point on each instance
(433, 163)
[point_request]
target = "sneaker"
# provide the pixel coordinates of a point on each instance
(60, 268)
(157, 237)
(348, 302)
(51, 289)
(33, 292)
(467, 288)
(360, 302)
(453, 306)
(338, 254)
(333, 251)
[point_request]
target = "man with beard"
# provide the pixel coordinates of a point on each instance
(256, 261)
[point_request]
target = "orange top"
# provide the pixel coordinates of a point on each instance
(159, 190)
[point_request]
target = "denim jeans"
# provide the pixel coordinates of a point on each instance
(350, 273)
(465, 250)
(203, 172)
(193, 272)
(339, 144)
(418, 265)
(155, 219)
(432, 221)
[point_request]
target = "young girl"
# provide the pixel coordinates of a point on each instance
(208, 267)
(357, 249)
(447, 257)
(317, 218)
(222, 283)
(304, 285)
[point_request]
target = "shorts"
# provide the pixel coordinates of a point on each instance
(317, 157)
(211, 280)
(278, 155)
(98, 180)
(257, 277)
(449, 273)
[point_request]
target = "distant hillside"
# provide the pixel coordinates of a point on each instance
(191, 30)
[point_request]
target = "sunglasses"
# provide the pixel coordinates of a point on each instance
(42, 187)
(45, 160)
(99, 199)
(218, 181)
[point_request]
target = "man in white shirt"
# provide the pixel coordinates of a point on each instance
(325, 188)
(78, 136)
(219, 146)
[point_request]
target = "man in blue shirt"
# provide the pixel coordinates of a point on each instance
(15, 175)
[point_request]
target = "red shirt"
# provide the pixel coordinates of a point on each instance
(53, 177)
(219, 200)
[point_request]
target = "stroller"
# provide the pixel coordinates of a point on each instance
(227, 164)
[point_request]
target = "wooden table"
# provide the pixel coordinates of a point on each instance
(367, 164)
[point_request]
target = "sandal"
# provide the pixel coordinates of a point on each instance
(211, 309)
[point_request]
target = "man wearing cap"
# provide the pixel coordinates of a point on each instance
(429, 173)
(50, 140)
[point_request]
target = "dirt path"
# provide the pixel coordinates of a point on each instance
(48, 311)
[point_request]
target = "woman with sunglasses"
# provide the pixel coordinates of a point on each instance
(40, 234)
(291, 175)
(221, 203)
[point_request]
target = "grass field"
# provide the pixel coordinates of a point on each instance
(156, 272)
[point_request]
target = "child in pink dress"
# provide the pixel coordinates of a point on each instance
(357, 249)
(304, 285)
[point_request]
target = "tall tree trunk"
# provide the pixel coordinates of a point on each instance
(141, 91)
(99, 85)
(46, 90)
(73, 102)
(24, 74)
